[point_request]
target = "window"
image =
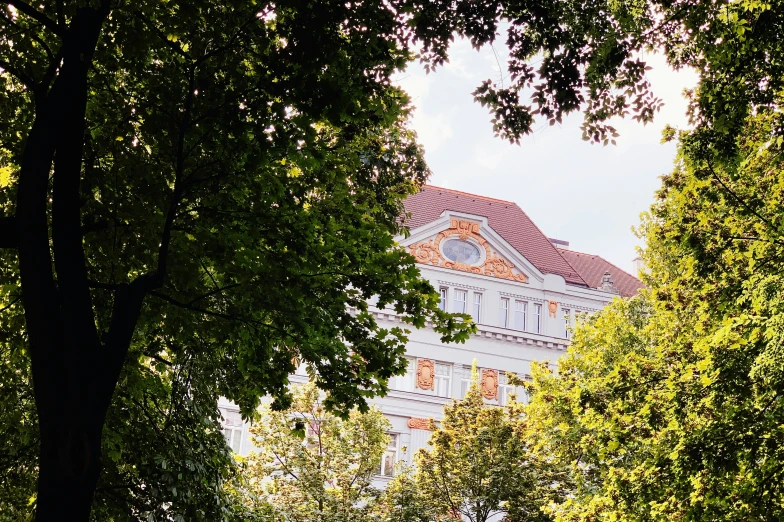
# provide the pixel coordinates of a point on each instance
(461, 251)
(232, 430)
(566, 318)
(387, 466)
(520, 316)
(405, 382)
(503, 312)
(504, 389)
(465, 381)
(537, 319)
(477, 315)
(460, 302)
(442, 303)
(443, 379)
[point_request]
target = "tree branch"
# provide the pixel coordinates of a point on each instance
(9, 305)
(174, 46)
(38, 16)
(218, 50)
(190, 307)
(20, 75)
(740, 200)
(9, 22)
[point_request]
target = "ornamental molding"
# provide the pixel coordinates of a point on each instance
(489, 386)
(522, 297)
(552, 308)
(508, 335)
(425, 374)
(417, 423)
(582, 308)
(429, 253)
(461, 286)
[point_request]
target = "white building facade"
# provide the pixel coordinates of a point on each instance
(487, 259)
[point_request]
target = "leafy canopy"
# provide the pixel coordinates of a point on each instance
(479, 465)
(208, 191)
(312, 465)
(668, 406)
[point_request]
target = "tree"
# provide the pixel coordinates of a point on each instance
(312, 465)
(479, 466)
(164, 453)
(221, 183)
(668, 406)
(736, 49)
(402, 500)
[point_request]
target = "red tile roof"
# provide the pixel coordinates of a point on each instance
(505, 217)
(592, 268)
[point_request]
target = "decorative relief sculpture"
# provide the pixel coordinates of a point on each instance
(425, 374)
(419, 424)
(552, 307)
(489, 386)
(429, 252)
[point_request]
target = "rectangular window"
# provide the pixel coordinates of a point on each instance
(566, 317)
(520, 316)
(442, 302)
(460, 302)
(405, 382)
(232, 430)
(503, 312)
(504, 389)
(537, 319)
(387, 467)
(477, 315)
(443, 380)
(465, 381)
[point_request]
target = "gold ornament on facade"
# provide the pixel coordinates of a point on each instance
(429, 253)
(489, 385)
(425, 374)
(552, 307)
(419, 424)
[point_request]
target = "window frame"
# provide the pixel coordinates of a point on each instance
(459, 292)
(443, 298)
(407, 379)
(231, 430)
(393, 449)
(521, 313)
(503, 312)
(465, 381)
(476, 308)
(537, 313)
(439, 379)
(504, 389)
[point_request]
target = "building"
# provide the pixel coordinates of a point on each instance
(487, 259)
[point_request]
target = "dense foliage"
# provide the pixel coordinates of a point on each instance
(479, 465)
(309, 464)
(668, 406)
(200, 191)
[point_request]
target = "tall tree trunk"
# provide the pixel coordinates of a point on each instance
(73, 385)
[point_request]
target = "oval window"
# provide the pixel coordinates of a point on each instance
(461, 251)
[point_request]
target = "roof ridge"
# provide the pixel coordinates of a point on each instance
(603, 259)
(470, 194)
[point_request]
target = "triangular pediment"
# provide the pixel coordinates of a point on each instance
(452, 246)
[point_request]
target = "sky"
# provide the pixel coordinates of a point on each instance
(588, 195)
